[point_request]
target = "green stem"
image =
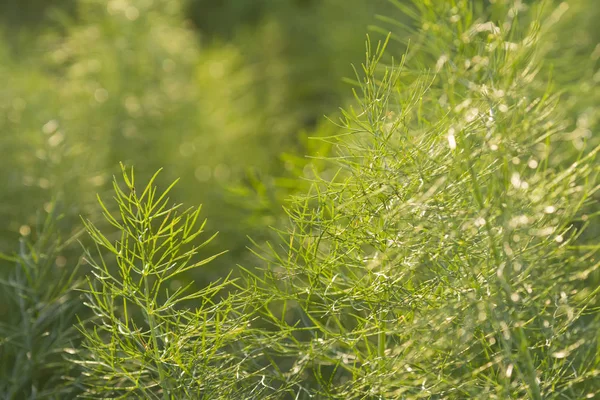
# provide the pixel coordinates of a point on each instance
(149, 309)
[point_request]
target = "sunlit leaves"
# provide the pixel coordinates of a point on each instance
(151, 336)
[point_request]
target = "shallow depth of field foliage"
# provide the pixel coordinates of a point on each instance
(416, 217)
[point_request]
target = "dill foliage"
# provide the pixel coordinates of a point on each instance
(442, 245)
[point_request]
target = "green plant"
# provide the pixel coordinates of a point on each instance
(152, 337)
(444, 260)
(437, 246)
(38, 303)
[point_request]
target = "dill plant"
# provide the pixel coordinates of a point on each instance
(443, 258)
(152, 336)
(439, 252)
(37, 316)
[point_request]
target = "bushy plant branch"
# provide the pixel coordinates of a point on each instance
(443, 260)
(154, 337)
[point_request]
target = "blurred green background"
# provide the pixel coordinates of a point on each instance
(214, 91)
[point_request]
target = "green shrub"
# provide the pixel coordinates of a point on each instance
(444, 259)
